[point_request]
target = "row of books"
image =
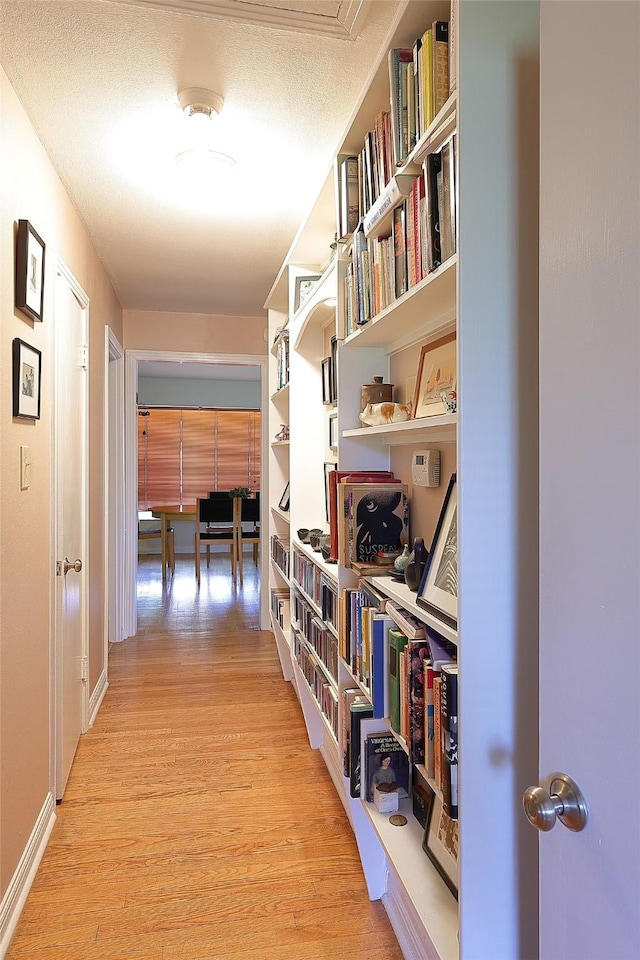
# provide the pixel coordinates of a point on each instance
(280, 607)
(279, 547)
(316, 633)
(420, 85)
(420, 236)
(408, 677)
(323, 691)
(316, 585)
(420, 82)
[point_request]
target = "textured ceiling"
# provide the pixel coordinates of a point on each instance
(99, 80)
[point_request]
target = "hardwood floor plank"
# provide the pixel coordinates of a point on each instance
(197, 823)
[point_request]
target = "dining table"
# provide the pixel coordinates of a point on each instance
(168, 514)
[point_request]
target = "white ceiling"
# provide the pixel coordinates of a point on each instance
(99, 80)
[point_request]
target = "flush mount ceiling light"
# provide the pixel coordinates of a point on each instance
(201, 157)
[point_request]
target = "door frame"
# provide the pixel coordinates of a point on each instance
(63, 271)
(132, 358)
(114, 502)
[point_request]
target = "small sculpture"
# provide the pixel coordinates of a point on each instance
(375, 414)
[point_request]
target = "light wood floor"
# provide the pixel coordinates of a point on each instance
(197, 823)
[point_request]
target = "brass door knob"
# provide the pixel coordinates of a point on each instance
(76, 565)
(564, 802)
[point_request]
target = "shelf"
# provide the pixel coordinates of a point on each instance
(280, 394)
(441, 127)
(425, 429)
(283, 646)
(430, 897)
(396, 327)
(280, 513)
(330, 569)
(315, 311)
(408, 599)
(282, 574)
(280, 443)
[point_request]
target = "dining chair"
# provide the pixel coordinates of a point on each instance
(155, 533)
(248, 512)
(214, 524)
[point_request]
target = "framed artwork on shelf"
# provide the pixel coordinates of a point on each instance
(440, 843)
(29, 289)
(438, 590)
(334, 370)
(27, 366)
(333, 431)
(327, 378)
(436, 381)
(303, 289)
(328, 469)
(284, 499)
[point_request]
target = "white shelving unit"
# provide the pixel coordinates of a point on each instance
(471, 292)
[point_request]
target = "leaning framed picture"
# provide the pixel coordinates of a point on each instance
(303, 289)
(27, 368)
(333, 431)
(284, 499)
(435, 389)
(29, 289)
(440, 843)
(327, 380)
(438, 590)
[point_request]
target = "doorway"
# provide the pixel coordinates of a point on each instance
(133, 359)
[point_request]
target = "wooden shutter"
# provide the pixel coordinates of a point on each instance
(185, 454)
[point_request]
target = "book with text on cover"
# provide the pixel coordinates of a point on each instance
(385, 761)
(374, 518)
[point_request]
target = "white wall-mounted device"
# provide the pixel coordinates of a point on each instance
(425, 468)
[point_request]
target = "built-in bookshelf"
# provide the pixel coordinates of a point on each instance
(365, 315)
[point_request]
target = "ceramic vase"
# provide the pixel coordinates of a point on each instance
(415, 564)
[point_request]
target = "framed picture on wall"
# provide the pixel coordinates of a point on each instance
(284, 499)
(29, 289)
(438, 590)
(303, 290)
(27, 365)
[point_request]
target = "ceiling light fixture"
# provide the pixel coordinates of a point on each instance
(201, 158)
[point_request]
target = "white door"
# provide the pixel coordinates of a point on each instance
(590, 476)
(70, 465)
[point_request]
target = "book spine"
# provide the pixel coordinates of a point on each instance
(440, 33)
(397, 642)
(409, 624)
(449, 715)
(437, 731)
(428, 719)
(418, 651)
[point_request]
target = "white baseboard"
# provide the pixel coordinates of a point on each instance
(97, 697)
(408, 928)
(18, 889)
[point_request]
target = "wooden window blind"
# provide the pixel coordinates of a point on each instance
(184, 454)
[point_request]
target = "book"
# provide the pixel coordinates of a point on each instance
(399, 60)
(360, 710)
(449, 725)
(348, 696)
(417, 652)
(335, 476)
(415, 629)
(396, 189)
(385, 761)
(400, 249)
(448, 212)
(437, 730)
(349, 201)
(440, 35)
(381, 625)
(397, 642)
(432, 166)
(373, 519)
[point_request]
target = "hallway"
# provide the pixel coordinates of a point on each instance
(197, 823)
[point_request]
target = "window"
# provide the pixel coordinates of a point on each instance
(185, 454)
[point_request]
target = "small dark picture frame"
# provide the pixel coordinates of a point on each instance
(284, 500)
(303, 289)
(328, 470)
(440, 843)
(29, 289)
(333, 431)
(327, 380)
(27, 368)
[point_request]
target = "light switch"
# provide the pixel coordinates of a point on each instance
(25, 468)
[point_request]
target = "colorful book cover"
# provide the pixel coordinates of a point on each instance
(385, 761)
(375, 518)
